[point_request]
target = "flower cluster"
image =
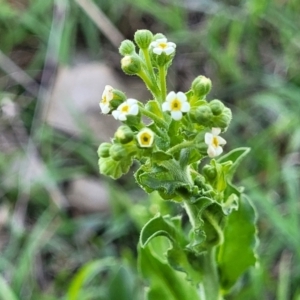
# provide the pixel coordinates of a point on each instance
(179, 120)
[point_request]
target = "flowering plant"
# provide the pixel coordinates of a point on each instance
(179, 152)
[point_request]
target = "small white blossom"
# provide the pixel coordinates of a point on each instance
(129, 107)
(176, 104)
(145, 138)
(162, 45)
(214, 142)
(107, 96)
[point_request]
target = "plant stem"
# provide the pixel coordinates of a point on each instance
(180, 146)
(154, 117)
(163, 84)
(209, 288)
(210, 277)
(153, 88)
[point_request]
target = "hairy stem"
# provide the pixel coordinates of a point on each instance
(153, 117)
(163, 84)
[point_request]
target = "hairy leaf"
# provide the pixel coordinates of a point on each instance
(237, 253)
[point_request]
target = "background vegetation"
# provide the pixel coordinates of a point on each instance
(251, 51)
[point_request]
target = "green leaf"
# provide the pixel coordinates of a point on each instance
(237, 253)
(6, 292)
(158, 156)
(179, 257)
(164, 282)
(112, 168)
(167, 177)
(85, 275)
(158, 226)
(235, 156)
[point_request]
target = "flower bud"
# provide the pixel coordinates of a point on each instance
(209, 172)
(201, 86)
(131, 64)
(216, 107)
(117, 99)
(143, 38)
(127, 47)
(203, 115)
(117, 152)
(222, 121)
(103, 150)
(124, 134)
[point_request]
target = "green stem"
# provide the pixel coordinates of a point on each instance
(210, 282)
(180, 146)
(158, 121)
(163, 84)
(152, 86)
(209, 288)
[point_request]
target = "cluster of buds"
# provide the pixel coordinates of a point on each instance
(180, 121)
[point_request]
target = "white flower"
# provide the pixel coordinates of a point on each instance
(214, 142)
(176, 104)
(129, 107)
(162, 45)
(145, 138)
(107, 96)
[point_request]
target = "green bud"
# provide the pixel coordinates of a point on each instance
(143, 38)
(117, 152)
(210, 172)
(202, 148)
(222, 121)
(124, 134)
(201, 86)
(118, 98)
(103, 150)
(127, 47)
(131, 64)
(203, 115)
(216, 107)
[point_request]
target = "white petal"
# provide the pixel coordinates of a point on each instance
(157, 50)
(221, 140)
(181, 96)
(131, 101)
(122, 117)
(166, 106)
(208, 138)
(218, 150)
(185, 107)
(172, 44)
(134, 110)
(104, 108)
(153, 44)
(176, 115)
(215, 131)
(211, 151)
(162, 40)
(171, 96)
(169, 50)
(116, 114)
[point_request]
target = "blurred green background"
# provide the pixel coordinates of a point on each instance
(57, 242)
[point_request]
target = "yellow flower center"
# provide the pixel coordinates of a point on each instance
(176, 105)
(104, 100)
(125, 108)
(163, 45)
(145, 139)
(215, 142)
